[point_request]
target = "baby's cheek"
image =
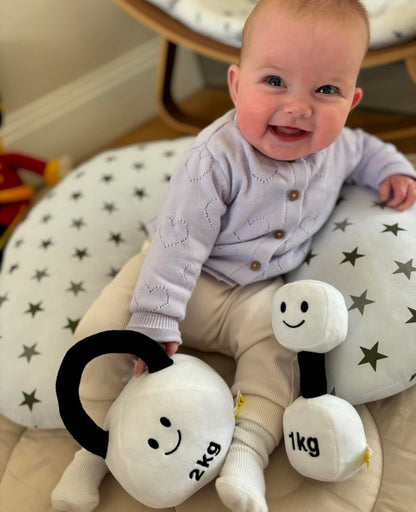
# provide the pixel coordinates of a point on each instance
(249, 127)
(328, 127)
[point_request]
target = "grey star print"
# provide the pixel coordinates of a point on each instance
(405, 268)
(360, 302)
(29, 352)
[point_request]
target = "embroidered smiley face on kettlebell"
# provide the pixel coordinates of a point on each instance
(167, 443)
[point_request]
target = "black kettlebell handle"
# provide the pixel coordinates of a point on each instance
(76, 420)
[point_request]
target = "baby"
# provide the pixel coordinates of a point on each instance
(243, 206)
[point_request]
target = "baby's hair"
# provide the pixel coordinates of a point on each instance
(337, 9)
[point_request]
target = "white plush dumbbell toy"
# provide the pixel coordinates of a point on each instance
(324, 435)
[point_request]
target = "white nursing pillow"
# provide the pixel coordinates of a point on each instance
(368, 252)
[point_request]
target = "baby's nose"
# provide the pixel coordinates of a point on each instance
(298, 107)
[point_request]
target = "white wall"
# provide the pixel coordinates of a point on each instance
(76, 74)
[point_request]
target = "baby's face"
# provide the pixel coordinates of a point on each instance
(297, 81)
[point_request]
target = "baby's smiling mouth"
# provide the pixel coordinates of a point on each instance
(289, 132)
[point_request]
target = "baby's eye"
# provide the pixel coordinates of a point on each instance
(274, 81)
(327, 89)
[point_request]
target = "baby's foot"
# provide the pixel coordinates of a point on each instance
(241, 485)
(78, 489)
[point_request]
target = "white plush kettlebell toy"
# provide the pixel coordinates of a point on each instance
(168, 431)
(324, 435)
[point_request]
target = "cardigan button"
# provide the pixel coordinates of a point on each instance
(279, 234)
(293, 195)
(255, 265)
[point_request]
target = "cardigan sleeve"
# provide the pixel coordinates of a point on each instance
(186, 230)
(375, 160)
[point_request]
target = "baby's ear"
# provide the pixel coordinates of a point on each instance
(233, 79)
(358, 94)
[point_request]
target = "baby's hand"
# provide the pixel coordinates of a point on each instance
(398, 191)
(170, 347)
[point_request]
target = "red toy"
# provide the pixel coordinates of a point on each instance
(14, 194)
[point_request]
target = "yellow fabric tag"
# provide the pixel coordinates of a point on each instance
(239, 402)
(367, 456)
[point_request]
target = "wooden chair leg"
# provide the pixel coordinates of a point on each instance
(397, 134)
(411, 68)
(169, 110)
(408, 129)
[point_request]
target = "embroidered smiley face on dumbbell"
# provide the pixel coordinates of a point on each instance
(304, 306)
(309, 316)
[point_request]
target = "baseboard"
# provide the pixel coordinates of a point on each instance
(83, 116)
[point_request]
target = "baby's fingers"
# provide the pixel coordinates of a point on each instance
(171, 348)
(385, 190)
(404, 196)
(140, 368)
